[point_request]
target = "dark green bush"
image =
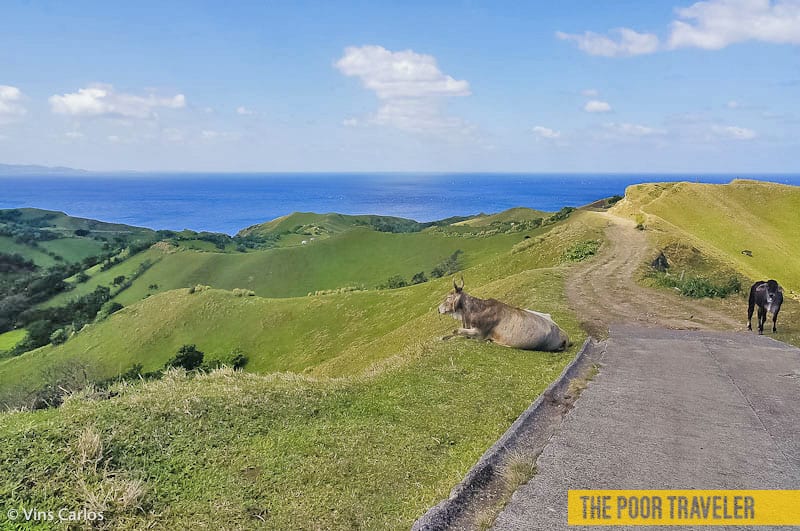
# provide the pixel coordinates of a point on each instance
(187, 357)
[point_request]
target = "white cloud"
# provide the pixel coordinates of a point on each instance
(627, 43)
(597, 106)
(10, 104)
(633, 130)
(243, 111)
(74, 135)
(711, 25)
(590, 93)
(113, 139)
(545, 132)
(733, 104)
(734, 132)
(103, 100)
(409, 85)
(715, 24)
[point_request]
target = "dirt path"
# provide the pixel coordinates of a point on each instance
(604, 291)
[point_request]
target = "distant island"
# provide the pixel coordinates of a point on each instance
(18, 170)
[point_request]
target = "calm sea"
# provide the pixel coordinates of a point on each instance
(230, 202)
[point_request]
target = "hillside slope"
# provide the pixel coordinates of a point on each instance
(384, 420)
(724, 220)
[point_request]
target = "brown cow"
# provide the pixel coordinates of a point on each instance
(503, 324)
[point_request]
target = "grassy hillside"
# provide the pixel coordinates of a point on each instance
(510, 215)
(42, 235)
(328, 335)
(376, 421)
(9, 339)
(359, 257)
(724, 220)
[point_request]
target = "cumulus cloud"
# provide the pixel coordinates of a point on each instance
(545, 132)
(409, 85)
(103, 100)
(715, 24)
(710, 25)
(597, 106)
(734, 132)
(10, 104)
(625, 42)
(243, 111)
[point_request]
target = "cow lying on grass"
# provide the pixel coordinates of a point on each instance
(503, 324)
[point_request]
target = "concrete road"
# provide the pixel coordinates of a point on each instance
(672, 409)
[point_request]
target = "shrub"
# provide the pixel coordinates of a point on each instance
(449, 265)
(582, 250)
(394, 282)
(419, 278)
(59, 336)
(697, 286)
(188, 357)
(235, 359)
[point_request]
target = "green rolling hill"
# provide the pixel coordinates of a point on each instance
(351, 413)
(724, 220)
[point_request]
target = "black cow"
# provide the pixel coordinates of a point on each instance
(768, 296)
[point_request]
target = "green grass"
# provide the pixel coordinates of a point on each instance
(512, 214)
(97, 277)
(37, 256)
(240, 451)
(329, 335)
(698, 287)
(9, 340)
(356, 257)
(724, 220)
(74, 249)
(364, 418)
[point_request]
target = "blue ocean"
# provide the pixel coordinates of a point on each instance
(230, 202)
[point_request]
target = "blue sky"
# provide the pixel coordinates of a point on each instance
(622, 86)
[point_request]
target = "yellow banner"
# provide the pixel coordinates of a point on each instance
(684, 507)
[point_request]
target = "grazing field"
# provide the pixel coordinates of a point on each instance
(9, 339)
(37, 256)
(724, 220)
(359, 416)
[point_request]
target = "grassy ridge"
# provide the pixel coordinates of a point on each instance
(359, 257)
(404, 418)
(724, 220)
(330, 335)
(376, 421)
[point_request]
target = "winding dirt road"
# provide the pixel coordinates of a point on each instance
(604, 291)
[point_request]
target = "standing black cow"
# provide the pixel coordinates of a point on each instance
(768, 296)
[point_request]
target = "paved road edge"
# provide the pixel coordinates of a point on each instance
(483, 472)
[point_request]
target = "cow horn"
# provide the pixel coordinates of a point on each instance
(462, 282)
(455, 285)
